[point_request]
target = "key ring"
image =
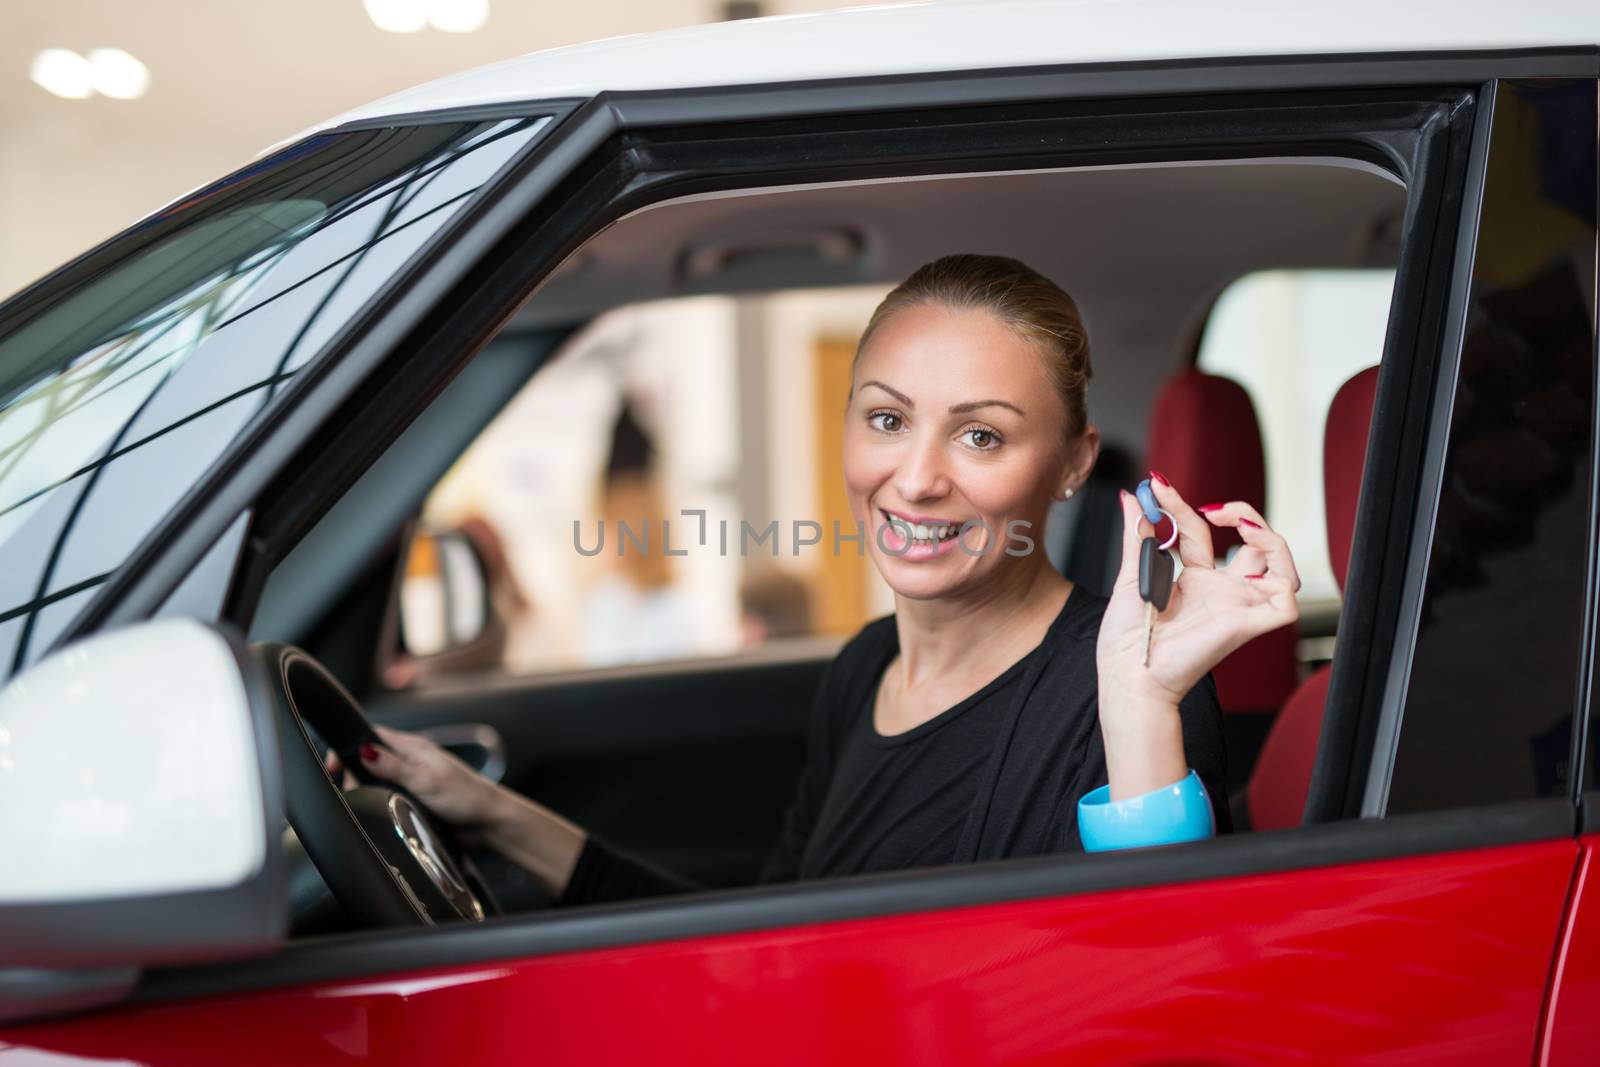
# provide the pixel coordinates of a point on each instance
(1169, 541)
(1152, 511)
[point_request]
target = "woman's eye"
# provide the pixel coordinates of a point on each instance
(887, 421)
(982, 439)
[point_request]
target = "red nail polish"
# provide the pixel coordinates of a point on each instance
(1263, 574)
(1162, 478)
(1210, 507)
(1252, 525)
(369, 753)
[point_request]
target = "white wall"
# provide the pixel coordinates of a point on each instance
(228, 79)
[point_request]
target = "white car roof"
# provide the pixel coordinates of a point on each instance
(948, 35)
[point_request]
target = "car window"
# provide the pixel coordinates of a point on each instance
(123, 377)
(1488, 716)
(713, 420)
(665, 526)
(1291, 338)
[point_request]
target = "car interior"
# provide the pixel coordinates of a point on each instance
(689, 763)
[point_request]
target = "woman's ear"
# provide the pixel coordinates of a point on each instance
(1085, 451)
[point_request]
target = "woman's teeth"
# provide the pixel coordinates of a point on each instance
(925, 533)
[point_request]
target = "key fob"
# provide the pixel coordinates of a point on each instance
(1155, 573)
(1146, 497)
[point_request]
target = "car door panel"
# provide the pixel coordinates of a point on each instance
(689, 768)
(1425, 959)
(1571, 1032)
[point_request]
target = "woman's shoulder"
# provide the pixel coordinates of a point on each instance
(868, 646)
(1079, 621)
(853, 673)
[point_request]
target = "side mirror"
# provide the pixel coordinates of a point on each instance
(447, 612)
(143, 811)
(444, 594)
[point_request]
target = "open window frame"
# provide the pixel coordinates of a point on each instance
(620, 152)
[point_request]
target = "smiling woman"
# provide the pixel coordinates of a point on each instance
(1001, 710)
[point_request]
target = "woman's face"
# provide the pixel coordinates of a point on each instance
(953, 420)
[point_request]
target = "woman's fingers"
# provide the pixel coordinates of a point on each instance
(1247, 560)
(393, 758)
(1254, 532)
(336, 771)
(1135, 528)
(1194, 536)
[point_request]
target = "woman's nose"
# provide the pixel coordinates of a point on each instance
(921, 474)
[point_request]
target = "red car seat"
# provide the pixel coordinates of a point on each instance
(1204, 437)
(1276, 796)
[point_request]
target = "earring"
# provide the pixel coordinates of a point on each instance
(1065, 494)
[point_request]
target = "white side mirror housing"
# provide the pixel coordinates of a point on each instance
(140, 811)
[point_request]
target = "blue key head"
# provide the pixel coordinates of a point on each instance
(1147, 501)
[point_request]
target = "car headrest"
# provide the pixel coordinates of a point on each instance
(1204, 437)
(1344, 453)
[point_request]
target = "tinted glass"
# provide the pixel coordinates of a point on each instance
(124, 377)
(1489, 712)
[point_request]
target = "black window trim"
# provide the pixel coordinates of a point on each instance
(685, 159)
(1391, 705)
(1585, 777)
(1383, 731)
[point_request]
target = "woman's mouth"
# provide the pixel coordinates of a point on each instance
(929, 539)
(921, 533)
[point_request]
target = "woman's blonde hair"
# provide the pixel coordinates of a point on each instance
(1033, 305)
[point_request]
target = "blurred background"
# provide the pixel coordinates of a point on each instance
(201, 88)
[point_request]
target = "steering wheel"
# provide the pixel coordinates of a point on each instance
(385, 857)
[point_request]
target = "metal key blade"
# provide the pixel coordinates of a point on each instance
(1149, 628)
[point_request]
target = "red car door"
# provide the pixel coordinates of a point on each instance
(1572, 1029)
(1440, 958)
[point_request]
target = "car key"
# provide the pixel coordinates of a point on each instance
(1155, 585)
(1156, 566)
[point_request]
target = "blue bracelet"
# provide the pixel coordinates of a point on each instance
(1178, 812)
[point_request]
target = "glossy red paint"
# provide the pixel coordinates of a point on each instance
(1572, 1025)
(1426, 959)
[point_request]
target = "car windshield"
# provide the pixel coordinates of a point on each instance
(127, 373)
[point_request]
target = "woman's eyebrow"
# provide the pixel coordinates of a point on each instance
(962, 409)
(897, 394)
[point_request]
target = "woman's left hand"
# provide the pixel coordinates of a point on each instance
(1213, 610)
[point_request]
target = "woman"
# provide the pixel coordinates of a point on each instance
(999, 711)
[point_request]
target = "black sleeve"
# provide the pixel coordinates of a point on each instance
(783, 864)
(604, 873)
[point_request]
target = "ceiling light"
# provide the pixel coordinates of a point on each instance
(117, 74)
(458, 16)
(397, 16)
(63, 72)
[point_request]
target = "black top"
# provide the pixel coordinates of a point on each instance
(997, 775)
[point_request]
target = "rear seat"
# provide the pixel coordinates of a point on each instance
(1205, 439)
(1276, 796)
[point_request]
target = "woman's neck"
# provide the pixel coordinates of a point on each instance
(981, 632)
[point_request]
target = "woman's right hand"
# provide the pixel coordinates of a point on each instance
(445, 785)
